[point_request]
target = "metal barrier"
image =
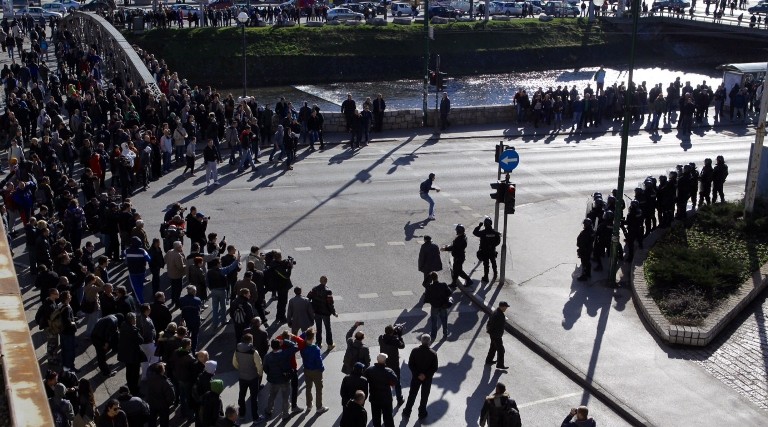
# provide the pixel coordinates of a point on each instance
(27, 401)
(119, 58)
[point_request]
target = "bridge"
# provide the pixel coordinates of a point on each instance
(726, 28)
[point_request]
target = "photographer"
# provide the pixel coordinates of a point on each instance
(278, 279)
(390, 344)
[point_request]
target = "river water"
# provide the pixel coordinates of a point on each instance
(467, 91)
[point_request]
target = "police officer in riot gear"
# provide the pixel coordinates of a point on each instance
(458, 252)
(705, 179)
(489, 239)
(632, 226)
(584, 245)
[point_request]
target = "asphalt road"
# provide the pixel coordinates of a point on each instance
(356, 217)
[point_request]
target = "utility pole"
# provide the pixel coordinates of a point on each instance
(619, 214)
(437, 92)
(753, 173)
(426, 60)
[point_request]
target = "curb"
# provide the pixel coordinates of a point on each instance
(559, 362)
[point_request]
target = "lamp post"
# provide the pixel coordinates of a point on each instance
(242, 18)
(619, 214)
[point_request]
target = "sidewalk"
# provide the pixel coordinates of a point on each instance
(596, 329)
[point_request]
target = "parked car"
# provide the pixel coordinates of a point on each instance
(444, 12)
(403, 9)
(344, 14)
(761, 7)
(38, 12)
(665, 4)
(185, 9)
(510, 9)
(559, 8)
(367, 9)
(61, 6)
(221, 4)
(94, 5)
(535, 6)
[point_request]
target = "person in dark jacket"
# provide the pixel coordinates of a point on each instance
(705, 183)
(582, 418)
(496, 408)
(113, 416)
(241, 312)
(445, 109)
(458, 252)
(136, 258)
(321, 298)
(229, 419)
(584, 244)
(381, 379)
(719, 174)
(354, 414)
(160, 314)
(159, 394)
(191, 307)
(67, 335)
(210, 404)
(390, 344)
(489, 239)
(438, 296)
(260, 337)
(135, 408)
(429, 259)
(495, 329)
(277, 368)
(423, 364)
(353, 382)
(106, 336)
(183, 361)
(156, 264)
(129, 352)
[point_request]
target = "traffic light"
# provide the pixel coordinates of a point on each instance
(499, 149)
(509, 199)
(501, 190)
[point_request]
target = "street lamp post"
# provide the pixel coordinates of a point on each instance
(619, 213)
(242, 18)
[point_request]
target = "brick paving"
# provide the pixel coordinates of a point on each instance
(739, 356)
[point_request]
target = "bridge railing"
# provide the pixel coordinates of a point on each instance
(119, 58)
(24, 390)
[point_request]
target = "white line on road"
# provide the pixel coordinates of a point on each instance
(402, 293)
(476, 215)
(553, 182)
(396, 243)
(457, 201)
(334, 247)
(368, 296)
(365, 245)
(466, 208)
(445, 194)
(549, 399)
(251, 188)
(302, 249)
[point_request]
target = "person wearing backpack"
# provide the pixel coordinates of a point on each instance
(499, 410)
(61, 408)
(321, 298)
(438, 296)
(489, 240)
(241, 312)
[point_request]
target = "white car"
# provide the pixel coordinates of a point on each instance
(344, 14)
(511, 9)
(402, 9)
(37, 12)
(61, 6)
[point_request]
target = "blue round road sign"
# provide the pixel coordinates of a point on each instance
(509, 160)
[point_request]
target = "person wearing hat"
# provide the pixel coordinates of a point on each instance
(429, 259)
(458, 252)
(423, 364)
(353, 383)
(495, 329)
(61, 408)
(584, 245)
(380, 380)
(211, 407)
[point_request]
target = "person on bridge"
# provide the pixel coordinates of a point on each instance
(489, 239)
(424, 190)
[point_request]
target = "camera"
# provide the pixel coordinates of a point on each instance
(398, 328)
(290, 260)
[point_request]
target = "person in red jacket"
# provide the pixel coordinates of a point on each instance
(301, 344)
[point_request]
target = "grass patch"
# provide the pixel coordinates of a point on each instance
(691, 270)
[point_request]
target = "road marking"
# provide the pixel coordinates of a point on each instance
(553, 182)
(477, 215)
(445, 194)
(334, 247)
(337, 298)
(368, 296)
(549, 399)
(365, 245)
(466, 208)
(402, 293)
(457, 201)
(396, 243)
(251, 188)
(302, 249)
(393, 180)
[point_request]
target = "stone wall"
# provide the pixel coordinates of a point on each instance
(411, 119)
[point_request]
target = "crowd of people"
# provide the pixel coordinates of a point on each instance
(657, 203)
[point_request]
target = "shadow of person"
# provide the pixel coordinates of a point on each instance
(572, 309)
(410, 228)
(484, 388)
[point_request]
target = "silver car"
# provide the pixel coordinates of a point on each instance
(344, 14)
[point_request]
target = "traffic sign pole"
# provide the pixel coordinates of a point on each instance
(503, 267)
(500, 149)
